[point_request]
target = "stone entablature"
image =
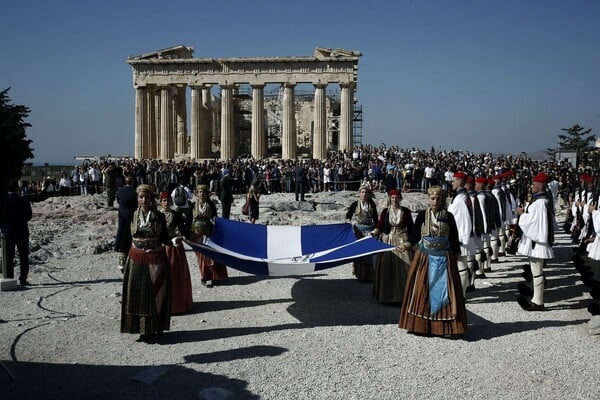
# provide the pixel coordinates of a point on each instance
(242, 71)
(161, 130)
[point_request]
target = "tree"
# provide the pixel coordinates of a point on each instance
(579, 140)
(15, 147)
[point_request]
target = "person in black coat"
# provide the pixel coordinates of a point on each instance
(226, 195)
(128, 203)
(299, 177)
(18, 213)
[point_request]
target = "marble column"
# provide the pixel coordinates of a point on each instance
(258, 140)
(210, 123)
(208, 119)
(227, 122)
(140, 122)
(319, 140)
(182, 146)
(288, 135)
(151, 131)
(157, 124)
(200, 139)
(173, 116)
(166, 127)
(346, 116)
(195, 123)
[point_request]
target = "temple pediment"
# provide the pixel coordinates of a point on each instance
(175, 52)
(322, 52)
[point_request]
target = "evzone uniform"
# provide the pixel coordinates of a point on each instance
(475, 261)
(485, 253)
(579, 210)
(461, 209)
(537, 223)
(511, 206)
(499, 242)
(593, 248)
(493, 225)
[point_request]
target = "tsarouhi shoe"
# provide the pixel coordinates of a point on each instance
(528, 305)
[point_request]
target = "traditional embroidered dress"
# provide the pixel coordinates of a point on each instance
(391, 267)
(181, 282)
(364, 217)
(146, 303)
(204, 213)
(433, 301)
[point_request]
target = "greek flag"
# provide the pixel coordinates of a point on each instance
(279, 250)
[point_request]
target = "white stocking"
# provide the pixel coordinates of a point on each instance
(488, 252)
(537, 270)
(472, 260)
(463, 271)
(502, 249)
(495, 248)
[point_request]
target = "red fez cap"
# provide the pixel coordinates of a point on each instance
(540, 178)
(497, 177)
(491, 181)
(164, 195)
(481, 179)
(395, 192)
(469, 178)
(460, 175)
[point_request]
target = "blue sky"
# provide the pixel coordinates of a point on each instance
(500, 76)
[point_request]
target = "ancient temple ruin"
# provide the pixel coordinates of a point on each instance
(230, 110)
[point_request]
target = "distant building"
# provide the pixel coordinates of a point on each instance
(569, 156)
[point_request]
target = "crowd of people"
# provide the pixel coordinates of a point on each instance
(480, 207)
(380, 167)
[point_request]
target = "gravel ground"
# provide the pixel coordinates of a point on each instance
(318, 336)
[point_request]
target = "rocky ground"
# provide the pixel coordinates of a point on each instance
(319, 336)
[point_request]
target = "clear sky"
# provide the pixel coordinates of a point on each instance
(502, 76)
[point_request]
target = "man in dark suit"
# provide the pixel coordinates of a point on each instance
(299, 177)
(226, 195)
(127, 199)
(18, 213)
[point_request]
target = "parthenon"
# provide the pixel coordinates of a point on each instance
(161, 80)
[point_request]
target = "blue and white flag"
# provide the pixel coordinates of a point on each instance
(279, 250)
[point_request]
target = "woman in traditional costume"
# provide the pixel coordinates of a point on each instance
(181, 283)
(363, 215)
(433, 301)
(391, 267)
(253, 198)
(146, 304)
(205, 212)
